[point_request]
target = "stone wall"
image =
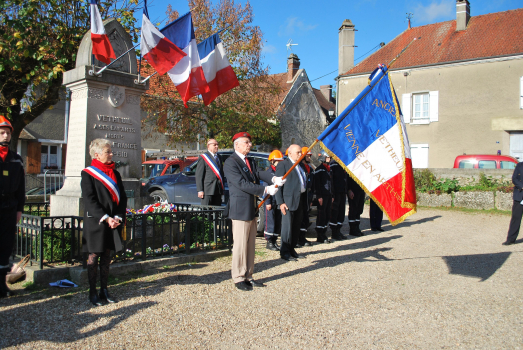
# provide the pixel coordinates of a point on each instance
(466, 176)
(471, 199)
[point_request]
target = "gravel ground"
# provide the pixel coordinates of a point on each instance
(441, 279)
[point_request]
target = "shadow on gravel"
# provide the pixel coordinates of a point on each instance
(478, 265)
(368, 255)
(409, 222)
(355, 245)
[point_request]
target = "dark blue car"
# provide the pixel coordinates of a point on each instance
(181, 188)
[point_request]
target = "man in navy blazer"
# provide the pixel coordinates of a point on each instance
(243, 177)
(291, 199)
(517, 207)
(209, 175)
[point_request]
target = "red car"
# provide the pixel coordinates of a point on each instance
(160, 167)
(484, 161)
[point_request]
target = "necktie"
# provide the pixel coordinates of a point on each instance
(217, 160)
(248, 164)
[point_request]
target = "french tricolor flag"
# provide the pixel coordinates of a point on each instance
(216, 67)
(159, 51)
(102, 49)
(187, 75)
(370, 142)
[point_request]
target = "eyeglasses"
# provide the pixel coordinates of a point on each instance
(247, 142)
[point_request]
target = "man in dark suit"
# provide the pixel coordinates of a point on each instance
(517, 207)
(209, 175)
(243, 177)
(291, 199)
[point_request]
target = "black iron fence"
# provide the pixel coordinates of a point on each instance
(51, 240)
(37, 209)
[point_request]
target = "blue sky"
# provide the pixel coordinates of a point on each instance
(313, 25)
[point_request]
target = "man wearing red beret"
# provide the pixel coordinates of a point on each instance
(243, 178)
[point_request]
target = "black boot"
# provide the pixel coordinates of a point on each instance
(336, 233)
(271, 245)
(319, 235)
(341, 235)
(357, 226)
(4, 290)
(354, 229)
(324, 236)
(94, 298)
(105, 296)
(92, 272)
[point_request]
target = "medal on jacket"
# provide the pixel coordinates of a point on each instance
(6, 172)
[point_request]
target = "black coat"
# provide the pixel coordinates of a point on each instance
(206, 179)
(339, 178)
(244, 186)
(12, 182)
(290, 192)
(517, 179)
(322, 181)
(97, 202)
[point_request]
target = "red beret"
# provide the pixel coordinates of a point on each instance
(241, 134)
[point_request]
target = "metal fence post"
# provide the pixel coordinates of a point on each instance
(41, 242)
(144, 236)
(187, 233)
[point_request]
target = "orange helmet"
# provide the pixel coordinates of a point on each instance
(305, 150)
(5, 123)
(275, 155)
(287, 152)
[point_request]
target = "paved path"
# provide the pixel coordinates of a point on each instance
(441, 279)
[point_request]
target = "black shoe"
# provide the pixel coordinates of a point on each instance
(105, 296)
(298, 256)
(253, 283)
(94, 299)
(374, 229)
(289, 258)
(243, 285)
(276, 245)
(299, 245)
(307, 243)
(271, 246)
(508, 243)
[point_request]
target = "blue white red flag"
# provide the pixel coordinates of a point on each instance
(102, 49)
(187, 75)
(159, 51)
(370, 141)
(109, 183)
(216, 67)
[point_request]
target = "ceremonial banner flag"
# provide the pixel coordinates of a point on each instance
(369, 140)
(216, 67)
(187, 75)
(159, 51)
(102, 49)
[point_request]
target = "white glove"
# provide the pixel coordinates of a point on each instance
(271, 190)
(278, 180)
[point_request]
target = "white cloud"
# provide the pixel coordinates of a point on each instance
(434, 11)
(293, 24)
(268, 49)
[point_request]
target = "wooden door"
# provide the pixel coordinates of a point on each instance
(34, 157)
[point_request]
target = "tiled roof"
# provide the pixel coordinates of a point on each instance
(490, 35)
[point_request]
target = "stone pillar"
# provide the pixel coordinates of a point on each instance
(102, 106)
(346, 47)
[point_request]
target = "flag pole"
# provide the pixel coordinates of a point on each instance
(291, 169)
(401, 52)
(93, 71)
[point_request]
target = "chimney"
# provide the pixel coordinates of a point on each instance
(462, 14)
(293, 64)
(346, 47)
(326, 91)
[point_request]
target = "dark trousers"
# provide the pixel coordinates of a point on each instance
(324, 212)
(356, 206)
(515, 221)
(290, 229)
(215, 199)
(7, 234)
(338, 210)
(272, 223)
(376, 215)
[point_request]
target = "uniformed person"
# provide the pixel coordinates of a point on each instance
(356, 196)
(272, 212)
(305, 165)
(339, 186)
(323, 191)
(12, 200)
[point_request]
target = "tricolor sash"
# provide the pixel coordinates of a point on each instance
(210, 162)
(109, 183)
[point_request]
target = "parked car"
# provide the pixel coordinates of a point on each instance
(484, 161)
(160, 167)
(181, 187)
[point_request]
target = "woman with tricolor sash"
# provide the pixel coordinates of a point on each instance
(104, 213)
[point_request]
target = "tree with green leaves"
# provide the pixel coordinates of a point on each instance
(39, 40)
(251, 107)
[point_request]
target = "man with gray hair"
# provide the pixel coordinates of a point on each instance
(209, 175)
(243, 177)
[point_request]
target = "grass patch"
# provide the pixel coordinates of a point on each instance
(30, 285)
(260, 253)
(166, 267)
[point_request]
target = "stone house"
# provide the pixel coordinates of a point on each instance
(460, 84)
(304, 111)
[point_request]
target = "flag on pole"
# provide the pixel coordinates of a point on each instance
(370, 141)
(159, 51)
(216, 68)
(102, 49)
(187, 75)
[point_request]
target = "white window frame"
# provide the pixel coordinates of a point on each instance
(424, 108)
(58, 155)
(408, 107)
